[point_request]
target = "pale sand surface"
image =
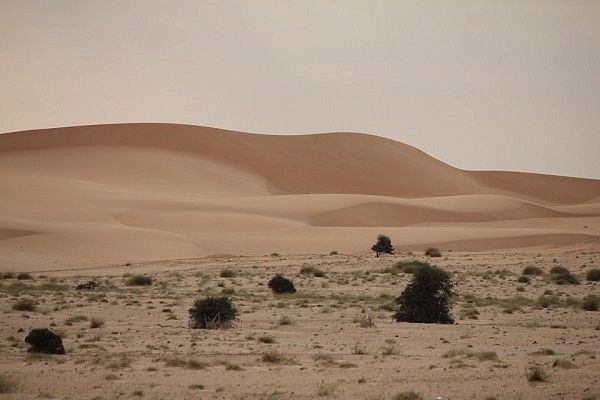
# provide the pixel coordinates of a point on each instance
(146, 326)
(132, 192)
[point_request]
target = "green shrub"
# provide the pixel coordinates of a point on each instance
(546, 300)
(409, 267)
(407, 396)
(383, 246)
(310, 270)
(281, 285)
(532, 270)
(24, 276)
(591, 303)
(593, 275)
(562, 276)
(426, 299)
(433, 252)
(212, 313)
(25, 304)
(535, 373)
(43, 340)
(139, 280)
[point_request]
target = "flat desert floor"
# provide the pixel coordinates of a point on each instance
(316, 343)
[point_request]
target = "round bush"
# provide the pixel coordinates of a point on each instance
(139, 280)
(43, 340)
(593, 275)
(532, 270)
(591, 303)
(212, 313)
(562, 276)
(280, 285)
(426, 299)
(433, 252)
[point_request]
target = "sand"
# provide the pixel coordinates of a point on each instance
(95, 195)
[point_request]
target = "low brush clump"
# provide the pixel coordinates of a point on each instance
(532, 270)
(7, 384)
(408, 267)
(562, 276)
(212, 313)
(139, 280)
(591, 303)
(593, 275)
(310, 270)
(43, 340)
(281, 285)
(433, 252)
(535, 373)
(25, 304)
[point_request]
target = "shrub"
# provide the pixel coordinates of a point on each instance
(535, 373)
(24, 276)
(383, 246)
(532, 270)
(433, 252)
(408, 396)
(139, 280)
(212, 313)
(426, 299)
(7, 275)
(25, 304)
(228, 273)
(562, 276)
(96, 323)
(7, 384)
(310, 270)
(89, 285)
(523, 279)
(333, 253)
(593, 275)
(43, 340)
(409, 267)
(279, 284)
(591, 303)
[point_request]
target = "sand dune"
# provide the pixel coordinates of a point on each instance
(113, 193)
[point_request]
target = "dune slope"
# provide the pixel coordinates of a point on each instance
(111, 193)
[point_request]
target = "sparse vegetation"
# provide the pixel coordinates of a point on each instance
(24, 276)
(409, 267)
(43, 340)
(281, 285)
(139, 280)
(433, 252)
(591, 303)
(407, 396)
(7, 384)
(228, 273)
(25, 304)
(310, 270)
(532, 270)
(96, 323)
(562, 276)
(535, 373)
(212, 313)
(426, 299)
(593, 275)
(383, 246)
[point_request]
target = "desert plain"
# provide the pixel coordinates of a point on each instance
(203, 211)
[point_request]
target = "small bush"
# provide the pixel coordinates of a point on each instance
(433, 252)
(523, 279)
(409, 267)
(24, 276)
(535, 373)
(89, 285)
(562, 276)
(7, 384)
(43, 340)
(310, 270)
(408, 396)
(7, 275)
(25, 304)
(548, 300)
(591, 303)
(74, 319)
(139, 280)
(426, 299)
(280, 285)
(212, 313)
(383, 246)
(333, 253)
(286, 321)
(272, 357)
(96, 323)
(593, 275)
(532, 270)
(266, 339)
(228, 273)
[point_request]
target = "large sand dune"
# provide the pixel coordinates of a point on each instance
(113, 193)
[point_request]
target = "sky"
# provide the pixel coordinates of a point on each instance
(484, 85)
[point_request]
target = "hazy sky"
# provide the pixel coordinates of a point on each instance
(479, 84)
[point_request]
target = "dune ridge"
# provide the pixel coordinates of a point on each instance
(109, 193)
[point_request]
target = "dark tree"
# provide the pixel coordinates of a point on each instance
(43, 340)
(383, 245)
(279, 284)
(426, 299)
(212, 313)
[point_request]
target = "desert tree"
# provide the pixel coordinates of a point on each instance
(383, 246)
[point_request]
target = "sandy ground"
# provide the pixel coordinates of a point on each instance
(144, 346)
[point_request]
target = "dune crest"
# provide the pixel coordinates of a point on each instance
(109, 193)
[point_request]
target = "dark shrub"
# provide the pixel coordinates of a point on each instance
(25, 304)
(591, 303)
(89, 285)
(43, 340)
(535, 373)
(24, 276)
(212, 313)
(279, 284)
(139, 280)
(426, 299)
(523, 279)
(532, 270)
(409, 267)
(310, 270)
(562, 276)
(228, 273)
(7, 275)
(593, 275)
(383, 245)
(433, 252)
